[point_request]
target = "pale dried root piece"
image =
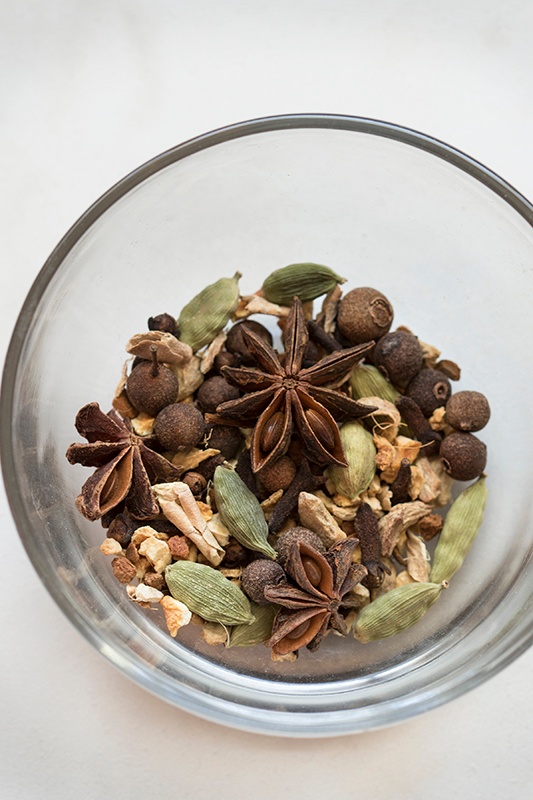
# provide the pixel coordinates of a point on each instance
(401, 517)
(315, 516)
(177, 615)
(179, 506)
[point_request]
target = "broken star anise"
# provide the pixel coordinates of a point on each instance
(310, 606)
(280, 398)
(126, 467)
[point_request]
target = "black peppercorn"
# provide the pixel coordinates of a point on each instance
(179, 426)
(364, 314)
(467, 411)
(398, 355)
(298, 534)
(162, 322)
(257, 576)
(151, 386)
(463, 455)
(226, 438)
(215, 391)
(430, 389)
(236, 344)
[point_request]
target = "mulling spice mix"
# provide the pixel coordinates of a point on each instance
(273, 497)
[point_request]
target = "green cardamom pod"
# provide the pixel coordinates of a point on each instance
(396, 610)
(368, 381)
(258, 631)
(360, 453)
(241, 512)
(306, 281)
(207, 313)
(461, 525)
(208, 593)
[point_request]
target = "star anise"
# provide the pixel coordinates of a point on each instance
(310, 606)
(126, 466)
(280, 398)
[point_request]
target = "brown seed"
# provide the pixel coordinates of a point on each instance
(179, 426)
(213, 392)
(464, 456)
(320, 429)
(226, 438)
(398, 355)
(151, 386)
(196, 483)
(312, 570)
(236, 344)
(298, 534)
(364, 314)
(278, 475)
(271, 433)
(430, 389)
(224, 359)
(257, 576)
(467, 411)
(162, 322)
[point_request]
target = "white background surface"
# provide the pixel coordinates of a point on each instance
(90, 90)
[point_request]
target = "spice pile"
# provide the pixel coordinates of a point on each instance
(275, 497)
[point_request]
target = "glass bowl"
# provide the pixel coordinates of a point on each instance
(449, 243)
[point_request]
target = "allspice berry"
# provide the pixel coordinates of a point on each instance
(236, 344)
(257, 576)
(215, 391)
(467, 411)
(398, 355)
(364, 314)
(226, 438)
(151, 386)
(297, 534)
(278, 475)
(464, 456)
(430, 389)
(179, 426)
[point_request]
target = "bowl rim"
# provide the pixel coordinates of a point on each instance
(292, 723)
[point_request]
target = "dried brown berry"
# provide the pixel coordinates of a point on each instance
(235, 341)
(364, 314)
(430, 389)
(398, 355)
(464, 456)
(224, 359)
(467, 411)
(298, 534)
(196, 483)
(151, 386)
(226, 438)
(257, 576)
(215, 391)
(162, 322)
(207, 468)
(278, 475)
(179, 426)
